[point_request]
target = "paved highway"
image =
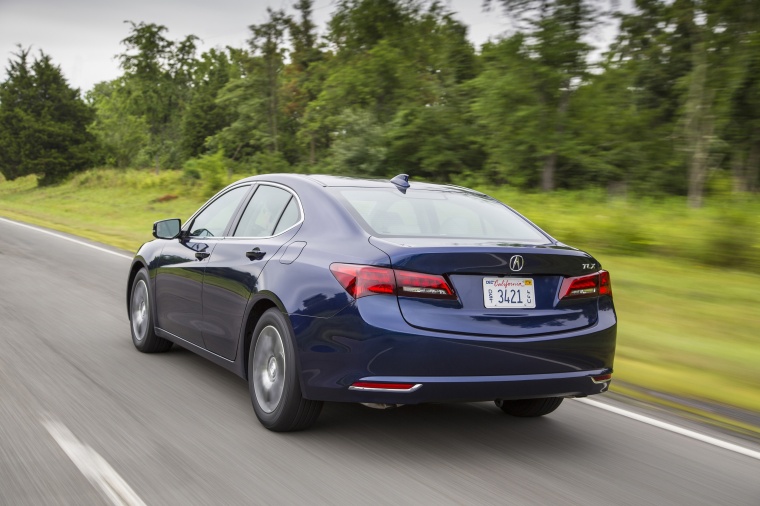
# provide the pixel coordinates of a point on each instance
(86, 419)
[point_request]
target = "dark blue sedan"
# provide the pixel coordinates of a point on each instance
(323, 288)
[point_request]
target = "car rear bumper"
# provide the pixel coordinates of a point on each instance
(480, 388)
(369, 341)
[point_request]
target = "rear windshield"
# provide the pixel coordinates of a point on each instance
(428, 213)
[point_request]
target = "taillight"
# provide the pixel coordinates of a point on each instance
(362, 280)
(605, 285)
(415, 284)
(592, 285)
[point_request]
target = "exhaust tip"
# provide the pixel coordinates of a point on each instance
(376, 405)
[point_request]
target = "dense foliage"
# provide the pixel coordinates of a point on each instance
(673, 106)
(43, 122)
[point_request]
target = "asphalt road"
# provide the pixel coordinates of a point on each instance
(86, 419)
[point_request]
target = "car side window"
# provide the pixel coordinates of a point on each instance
(265, 210)
(290, 216)
(212, 221)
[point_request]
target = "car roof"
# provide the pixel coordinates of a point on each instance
(343, 181)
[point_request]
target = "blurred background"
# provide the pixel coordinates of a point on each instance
(629, 130)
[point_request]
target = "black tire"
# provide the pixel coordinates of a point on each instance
(273, 377)
(141, 317)
(529, 407)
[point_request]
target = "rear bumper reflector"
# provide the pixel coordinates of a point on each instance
(373, 386)
(603, 378)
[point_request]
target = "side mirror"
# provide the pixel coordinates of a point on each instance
(167, 229)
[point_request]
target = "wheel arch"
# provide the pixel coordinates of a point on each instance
(137, 264)
(258, 305)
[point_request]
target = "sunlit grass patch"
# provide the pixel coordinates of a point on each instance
(688, 329)
(725, 233)
(115, 207)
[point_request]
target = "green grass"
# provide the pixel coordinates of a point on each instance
(688, 329)
(725, 233)
(685, 281)
(114, 207)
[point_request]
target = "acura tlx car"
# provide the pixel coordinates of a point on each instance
(324, 288)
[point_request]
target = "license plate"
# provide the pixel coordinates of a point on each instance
(509, 293)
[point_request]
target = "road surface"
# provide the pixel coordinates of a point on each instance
(86, 419)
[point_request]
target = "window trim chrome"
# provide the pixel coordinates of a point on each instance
(282, 187)
(210, 201)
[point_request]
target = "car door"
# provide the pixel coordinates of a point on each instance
(234, 269)
(179, 277)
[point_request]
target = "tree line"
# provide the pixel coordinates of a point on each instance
(395, 86)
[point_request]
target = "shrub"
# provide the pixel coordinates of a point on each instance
(211, 170)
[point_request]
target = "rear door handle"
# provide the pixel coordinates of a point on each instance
(200, 255)
(255, 254)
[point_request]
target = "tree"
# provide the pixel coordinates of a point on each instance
(359, 146)
(695, 75)
(390, 60)
(739, 32)
(43, 121)
(254, 97)
(157, 78)
(302, 79)
(377, 60)
(437, 142)
(204, 116)
(642, 87)
(512, 114)
(557, 54)
(438, 139)
(743, 129)
(122, 136)
(267, 44)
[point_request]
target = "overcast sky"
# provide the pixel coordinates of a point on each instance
(82, 36)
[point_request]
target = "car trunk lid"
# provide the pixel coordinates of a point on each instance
(473, 266)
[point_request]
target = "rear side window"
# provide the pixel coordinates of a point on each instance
(429, 213)
(270, 211)
(290, 216)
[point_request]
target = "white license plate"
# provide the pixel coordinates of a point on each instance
(509, 292)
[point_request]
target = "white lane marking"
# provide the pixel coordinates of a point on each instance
(93, 466)
(622, 412)
(673, 428)
(104, 250)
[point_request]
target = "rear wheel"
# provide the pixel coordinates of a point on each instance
(273, 377)
(141, 320)
(529, 407)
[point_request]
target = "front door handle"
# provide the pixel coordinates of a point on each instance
(255, 254)
(200, 255)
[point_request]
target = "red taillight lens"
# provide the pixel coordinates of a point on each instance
(592, 285)
(605, 285)
(415, 284)
(602, 378)
(362, 280)
(396, 387)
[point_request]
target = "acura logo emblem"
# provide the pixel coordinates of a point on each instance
(516, 263)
